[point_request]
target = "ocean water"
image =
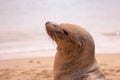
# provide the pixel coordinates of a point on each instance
(23, 34)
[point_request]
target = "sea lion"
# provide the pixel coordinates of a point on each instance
(75, 57)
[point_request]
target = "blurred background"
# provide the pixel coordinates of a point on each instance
(23, 34)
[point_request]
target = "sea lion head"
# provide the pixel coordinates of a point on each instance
(70, 37)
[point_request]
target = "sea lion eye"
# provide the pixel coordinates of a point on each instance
(65, 32)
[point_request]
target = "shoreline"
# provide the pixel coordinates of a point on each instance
(35, 54)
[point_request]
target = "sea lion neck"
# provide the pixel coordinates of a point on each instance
(67, 60)
(65, 51)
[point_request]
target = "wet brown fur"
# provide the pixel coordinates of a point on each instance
(75, 57)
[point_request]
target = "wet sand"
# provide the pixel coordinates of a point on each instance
(41, 68)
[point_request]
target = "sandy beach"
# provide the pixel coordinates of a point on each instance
(41, 68)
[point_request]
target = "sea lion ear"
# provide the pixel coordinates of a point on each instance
(82, 41)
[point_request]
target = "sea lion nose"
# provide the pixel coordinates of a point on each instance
(52, 24)
(47, 23)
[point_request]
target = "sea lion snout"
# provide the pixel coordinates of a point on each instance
(47, 23)
(51, 24)
(50, 27)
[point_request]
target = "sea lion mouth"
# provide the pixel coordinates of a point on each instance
(51, 29)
